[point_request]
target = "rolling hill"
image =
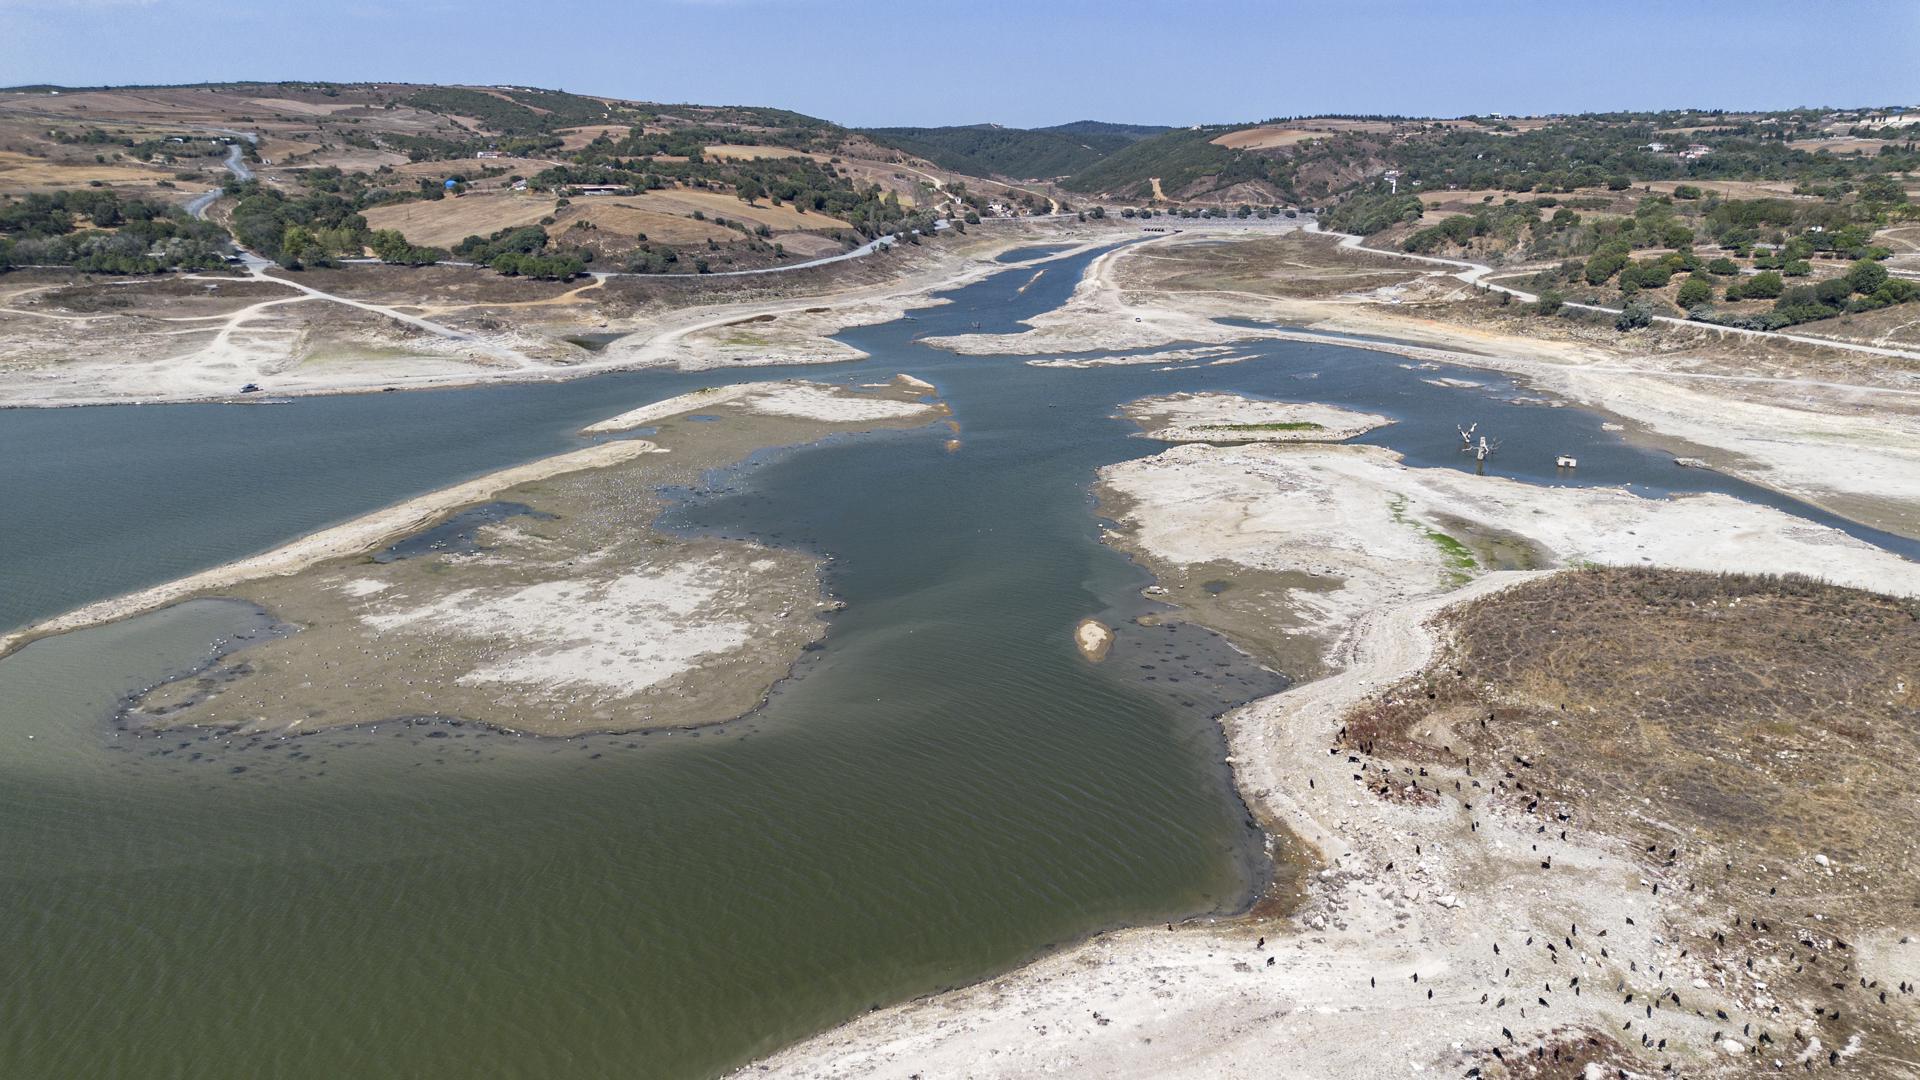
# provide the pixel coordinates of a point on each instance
(519, 175)
(992, 150)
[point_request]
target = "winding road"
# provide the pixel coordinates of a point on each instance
(236, 164)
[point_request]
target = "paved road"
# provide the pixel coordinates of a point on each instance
(867, 248)
(237, 165)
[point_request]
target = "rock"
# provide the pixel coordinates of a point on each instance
(1822, 861)
(1732, 1046)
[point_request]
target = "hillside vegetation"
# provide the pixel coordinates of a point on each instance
(1179, 160)
(706, 187)
(1322, 160)
(992, 150)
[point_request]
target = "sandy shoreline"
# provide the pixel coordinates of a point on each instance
(1228, 418)
(787, 398)
(300, 341)
(358, 536)
(1361, 551)
(556, 608)
(1393, 962)
(1826, 428)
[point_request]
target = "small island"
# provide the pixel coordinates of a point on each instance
(1230, 418)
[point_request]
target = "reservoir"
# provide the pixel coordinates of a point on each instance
(944, 789)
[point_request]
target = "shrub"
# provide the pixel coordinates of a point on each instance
(1636, 315)
(1694, 292)
(1647, 275)
(1601, 268)
(1764, 286)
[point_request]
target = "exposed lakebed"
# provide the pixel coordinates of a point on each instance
(945, 787)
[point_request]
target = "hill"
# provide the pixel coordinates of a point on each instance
(1320, 160)
(537, 180)
(992, 150)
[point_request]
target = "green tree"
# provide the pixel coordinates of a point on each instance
(1867, 276)
(1764, 286)
(297, 247)
(1694, 292)
(1833, 292)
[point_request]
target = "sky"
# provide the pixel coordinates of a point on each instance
(1024, 64)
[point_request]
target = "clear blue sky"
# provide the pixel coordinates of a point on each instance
(1033, 62)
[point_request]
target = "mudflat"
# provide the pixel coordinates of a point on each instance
(554, 607)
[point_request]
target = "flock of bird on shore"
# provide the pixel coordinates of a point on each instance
(1753, 1036)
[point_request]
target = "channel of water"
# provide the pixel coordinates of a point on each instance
(943, 789)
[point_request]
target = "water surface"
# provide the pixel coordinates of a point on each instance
(943, 789)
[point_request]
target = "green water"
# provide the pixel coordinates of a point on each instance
(943, 789)
(395, 904)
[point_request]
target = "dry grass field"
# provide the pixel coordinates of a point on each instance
(626, 217)
(1750, 737)
(575, 138)
(444, 222)
(1295, 265)
(434, 170)
(1731, 189)
(1842, 145)
(713, 203)
(664, 217)
(809, 245)
(350, 159)
(1902, 239)
(1294, 132)
(20, 172)
(1265, 138)
(1461, 200)
(735, 152)
(301, 108)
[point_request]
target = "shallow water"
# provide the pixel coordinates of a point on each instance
(944, 788)
(458, 534)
